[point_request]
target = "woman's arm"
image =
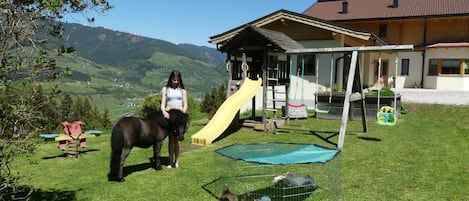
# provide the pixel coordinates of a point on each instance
(163, 103)
(184, 101)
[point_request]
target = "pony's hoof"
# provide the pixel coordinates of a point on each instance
(159, 167)
(116, 179)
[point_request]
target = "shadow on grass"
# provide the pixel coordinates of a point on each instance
(127, 170)
(65, 154)
(53, 195)
(328, 134)
(27, 193)
(232, 128)
(368, 138)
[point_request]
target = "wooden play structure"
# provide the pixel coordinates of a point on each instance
(280, 57)
(72, 138)
(256, 52)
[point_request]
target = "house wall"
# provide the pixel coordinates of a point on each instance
(447, 29)
(446, 82)
(398, 31)
(414, 78)
(303, 87)
(402, 81)
(306, 88)
(412, 31)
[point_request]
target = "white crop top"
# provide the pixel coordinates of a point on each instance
(173, 96)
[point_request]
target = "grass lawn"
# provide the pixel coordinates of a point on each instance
(423, 157)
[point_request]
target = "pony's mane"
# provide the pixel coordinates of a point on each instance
(176, 116)
(158, 117)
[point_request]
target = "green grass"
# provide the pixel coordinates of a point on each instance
(423, 157)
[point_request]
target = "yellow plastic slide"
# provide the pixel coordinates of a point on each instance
(227, 111)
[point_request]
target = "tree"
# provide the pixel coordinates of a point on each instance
(29, 32)
(50, 116)
(106, 120)
(78, 111)
(66, 108)
(213, 100)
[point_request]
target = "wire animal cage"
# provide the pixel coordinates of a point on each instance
(277, 172)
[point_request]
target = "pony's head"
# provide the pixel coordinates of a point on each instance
(177, 123)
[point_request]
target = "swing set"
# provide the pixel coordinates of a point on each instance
(354, 69)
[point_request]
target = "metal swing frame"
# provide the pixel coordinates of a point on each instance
(351, 78)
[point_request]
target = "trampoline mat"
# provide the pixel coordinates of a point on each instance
(278, 153)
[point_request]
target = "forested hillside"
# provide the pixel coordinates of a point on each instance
(124, 59)
(116, 69)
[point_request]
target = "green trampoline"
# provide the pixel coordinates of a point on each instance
(278, 153)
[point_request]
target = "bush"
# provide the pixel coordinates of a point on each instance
(385, 91)
(150, 104)
(153, 103)
(213, 100)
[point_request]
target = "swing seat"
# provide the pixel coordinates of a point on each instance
(386, 116)
(297, 110)
(296, 104)
(321, 111)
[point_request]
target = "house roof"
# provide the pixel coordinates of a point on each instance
(380, 9)
(257, 37)
(300, 18)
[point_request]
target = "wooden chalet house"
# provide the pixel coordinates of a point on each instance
(438, 29)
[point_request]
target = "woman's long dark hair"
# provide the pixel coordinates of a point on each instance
(175, 74)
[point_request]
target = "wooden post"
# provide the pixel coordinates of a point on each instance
(358, 84)
(348, 92)
(229, 67)
(264, 94)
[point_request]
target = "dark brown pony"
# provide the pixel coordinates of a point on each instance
(150, 131)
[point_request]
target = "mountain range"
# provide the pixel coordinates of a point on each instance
(128, 66)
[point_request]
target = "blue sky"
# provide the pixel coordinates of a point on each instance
(186, 21)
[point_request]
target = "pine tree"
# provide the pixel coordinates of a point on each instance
(106, 121)
(213, 100)
(66, 108)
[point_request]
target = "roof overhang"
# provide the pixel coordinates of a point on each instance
(449, 45)
(384, 48)
(255, 38)
(296, 17)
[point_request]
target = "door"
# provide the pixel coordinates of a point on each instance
(384, 73)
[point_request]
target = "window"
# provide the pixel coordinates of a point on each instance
(448, 67)
(383, 29)
(405, 67)
(433, 70)
(309, 64)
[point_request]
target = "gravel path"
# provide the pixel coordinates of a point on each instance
(434, 96)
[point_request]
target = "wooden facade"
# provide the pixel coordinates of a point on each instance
(439, 29)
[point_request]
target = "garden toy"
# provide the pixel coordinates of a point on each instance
(72, 138)
(386, 116)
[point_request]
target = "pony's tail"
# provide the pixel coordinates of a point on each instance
(117, 143)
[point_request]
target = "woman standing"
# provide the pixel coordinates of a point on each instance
(174, 97)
